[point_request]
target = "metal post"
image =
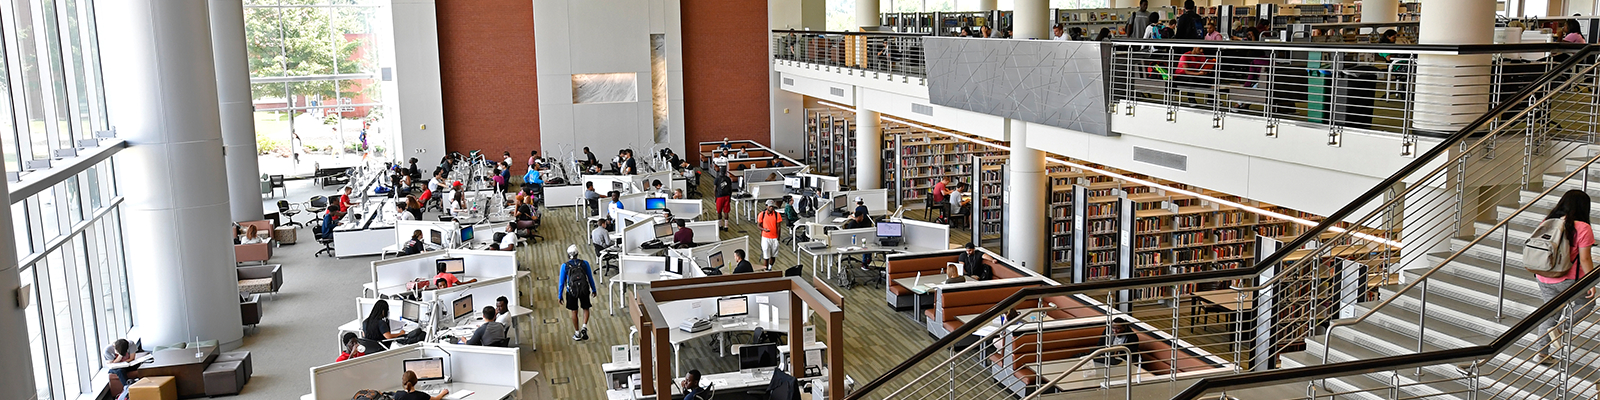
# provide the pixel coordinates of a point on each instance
(1566, 352)
(1422, 319)
(1505, 238)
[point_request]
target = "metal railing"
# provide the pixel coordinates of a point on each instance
(1452, 207)
(883, 54)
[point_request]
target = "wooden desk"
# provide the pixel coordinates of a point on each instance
(182, 365)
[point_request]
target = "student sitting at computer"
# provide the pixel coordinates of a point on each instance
(508, 239)
(449, 278)
(413, 246)
(491, 333)
(408, 380)
(857, 220)
(600, 237)
(656, 190)
(691, 385)
(741, 265)
(789, 214)
(684, 237)
(502, 310)
(973, 263)
(352, 347)
(344, 199)
(861, 206)
(400, 212)
(376, 326)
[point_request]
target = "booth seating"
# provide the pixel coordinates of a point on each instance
(970, 299)
(908, 266)
(1011, 363)
(260, 279)
(154, 388)
(256, 252)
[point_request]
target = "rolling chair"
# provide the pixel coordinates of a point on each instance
(315, 205)
(324, 234)
(527, 229)
(370, 346)
(289, 210)
(276, 182)
(608, 257)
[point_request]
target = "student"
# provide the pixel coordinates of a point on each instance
(577, 278)
(691, 385)
(1212, 33)
(1105, 33)
(352, 347)
(588, 157)
(1573, 209)
(508, 241)
(121, 353)
(412, 170)
(1573, 30)
(591, 198)
(449, 278)
(600, 237)
(252, 235)
(1057, 33)
(627, 166)
(502, 310)
(414, 207)
(401, 213)
(724, 188)
(458, 199)
(770, 223)
(1140, 19)
(656, 190)
(376, 326)
(344, 198)
(490, 332)
(408, 381)
(1075, 34)
(1190, 25)
(789, 215)
(505, 157)
(861, 206)
(953, 275)
(857, 220)
(1118, 334)
(742, 265)
(973, 263)
(677, 194)
(532, 180)
(499, 179)
(941, 189)
(413, 246)
(684, 237)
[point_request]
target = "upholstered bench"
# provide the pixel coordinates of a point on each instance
(224, 378)
(243, 357)
(154, 388)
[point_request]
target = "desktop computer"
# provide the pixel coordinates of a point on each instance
(462, 307)
(655, 203)
(732, 306)
(758, 358)
(429, 371)
(889, 234)
(466, 234)
(454, 266)
(411, 311)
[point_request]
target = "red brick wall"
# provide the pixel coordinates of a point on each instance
(486, 63)
(725, 71)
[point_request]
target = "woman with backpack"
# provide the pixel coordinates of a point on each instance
(1573, 213)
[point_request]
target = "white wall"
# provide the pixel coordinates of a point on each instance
(788, 108)
(605, 36)
(414, 95)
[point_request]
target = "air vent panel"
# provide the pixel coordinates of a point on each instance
(788, 81)
(1157, 157)
(836, 91)
(923, 109)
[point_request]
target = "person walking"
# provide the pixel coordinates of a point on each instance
(577, 286)
(1573, 210)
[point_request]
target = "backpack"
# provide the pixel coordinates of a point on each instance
(577, 277)
(1546, 253)
(369, 394)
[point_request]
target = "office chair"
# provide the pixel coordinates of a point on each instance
(525, 229)
(315, 205)
(504, 342)
(792, 271)
(277, 183)
(608, 258)
(324, 237)
(288, 210)
(370, 346)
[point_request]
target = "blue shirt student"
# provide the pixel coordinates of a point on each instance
(533, 177)
(561, 289)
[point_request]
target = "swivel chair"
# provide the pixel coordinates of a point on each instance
(288, 210)
(315, 205)
(324, 235)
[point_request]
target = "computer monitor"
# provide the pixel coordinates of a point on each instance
(758, 356)
(411, 311)
(455, 266)
(888, 229)
(732, 306)
(466, 234)
(427, 369)
(716, 260)
(617, 186)
(462, 306)
(655, 203)
(839, 202)
(664, 230)
(438, 238)
(792, 182)
(675, 265)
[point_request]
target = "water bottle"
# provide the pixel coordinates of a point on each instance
(853, 241)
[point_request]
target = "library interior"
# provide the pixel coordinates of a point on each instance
(1055, 199)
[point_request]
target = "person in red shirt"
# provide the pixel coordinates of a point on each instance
(449, 278)
(344, 200)
(769, 220)
(352, 347)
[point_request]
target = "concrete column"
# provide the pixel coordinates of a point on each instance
(867, 13)
(1032, 20)
(1025, 205)
(163, 97)
(1451, 91)
(869, 150)
(976, 5)
(237, 112)
(1380, 11)
(17, 382)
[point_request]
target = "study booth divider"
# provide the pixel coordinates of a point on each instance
(390, 276)
(492, 372)
(448, 232)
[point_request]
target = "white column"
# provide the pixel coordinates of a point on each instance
(867, 13)
(1380, 11)
(237, 112)
(1452, 91)
(1025, 203)
(163, 97)
(976, 5)
(869, 150)
(17, 382)
(1125, 3)
(1032, 20)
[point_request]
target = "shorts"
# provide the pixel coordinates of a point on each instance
(723, 204)
(769, 248)
(580, 300)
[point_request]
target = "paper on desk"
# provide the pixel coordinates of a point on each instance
(458, 395)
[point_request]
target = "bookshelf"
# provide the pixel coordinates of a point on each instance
(921, 157)
(988, 202)
(1103, 250)
(829, 133)
(1060, 241)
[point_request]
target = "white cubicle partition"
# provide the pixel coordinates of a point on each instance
(754, 175)
(689, 209)
(927, 235)
(636, 234)
(484, 293)
(449, 232)
(704, 231)
(633, 201)
(644, 181)
(702, 254)
(824, 183)
(480, 264)
(563, 196)
(766, 190)
(677, 311)
(645, 265)
(338, 381)
(605, 183)
(877, 200)
(487, 263)
(495, 366)
(841, 238)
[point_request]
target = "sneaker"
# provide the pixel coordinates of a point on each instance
(584, 333)
(576, 337)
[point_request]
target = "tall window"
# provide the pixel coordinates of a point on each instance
(316, 82)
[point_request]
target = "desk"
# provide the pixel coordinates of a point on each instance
(481, 391)
(833, 255)
(1226, 299)
(678, 336)
(632, 279)
(462, 329)
(726, 382)
(1091, 375)
(182, 365)
(920, 285)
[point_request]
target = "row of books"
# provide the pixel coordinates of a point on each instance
(1101, 210)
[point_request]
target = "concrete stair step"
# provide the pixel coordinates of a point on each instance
(1488, 272)
(1475, 293)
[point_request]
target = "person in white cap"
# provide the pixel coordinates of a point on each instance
(770, 222)
(861, 206)
(576, 287)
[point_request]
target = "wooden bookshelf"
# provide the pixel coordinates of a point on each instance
(921, 157)
(988, 202)
(1060, 241)
(828, 142)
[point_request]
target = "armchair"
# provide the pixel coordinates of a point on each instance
(250, 309)
(260, 279)
(254, 252)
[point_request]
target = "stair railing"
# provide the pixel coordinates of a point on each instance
(1416, 205)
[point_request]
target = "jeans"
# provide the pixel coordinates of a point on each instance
(1579, 307)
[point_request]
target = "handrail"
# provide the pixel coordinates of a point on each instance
(1440, 265)
(849, 33)
(1352, 207)
(984, 339)
(1404, 361)
(1453, 49)
(1097, 353)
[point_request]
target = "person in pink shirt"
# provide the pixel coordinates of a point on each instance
(1574, 209)
(1574, 32)
(1212, 34)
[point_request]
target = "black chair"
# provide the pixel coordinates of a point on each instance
(371, 346)
(315, 205)
(325, 239)
(528, 229)
(288, 210)
(503, 342)
(792, 271)
(277, 183)
(608, 261)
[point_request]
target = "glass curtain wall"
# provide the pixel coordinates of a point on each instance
(315, 82)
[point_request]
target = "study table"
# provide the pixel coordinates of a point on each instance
(187, 370)
(727, 382)
(920, 285)
(833, 255)
(679, 336)
(479, 391)
(1093, 374)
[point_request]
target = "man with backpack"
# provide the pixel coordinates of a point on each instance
(1190, 25)
(577, 286)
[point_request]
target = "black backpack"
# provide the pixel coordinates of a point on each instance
(369, 394)
(577, 277)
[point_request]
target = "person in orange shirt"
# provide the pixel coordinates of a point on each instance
(770, 221)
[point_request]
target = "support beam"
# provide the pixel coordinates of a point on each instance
(236, 110)
(869, 150)
(1025, 226)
